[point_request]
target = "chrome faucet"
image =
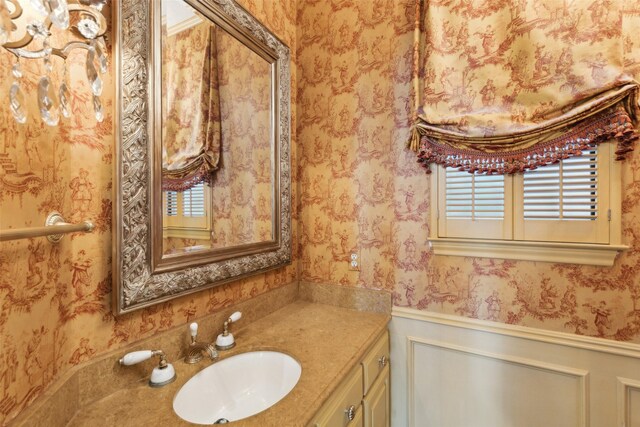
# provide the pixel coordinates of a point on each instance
(196, 350)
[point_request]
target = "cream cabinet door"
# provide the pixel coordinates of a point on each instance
(344, 400)
(375, 361)
(376, 402)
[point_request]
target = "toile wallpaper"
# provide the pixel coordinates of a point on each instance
(241, 195)
(56, 299)
(241, 187)
(358, 188)
(361, 190)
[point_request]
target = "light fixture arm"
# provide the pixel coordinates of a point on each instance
(54, 94)
(17, 47)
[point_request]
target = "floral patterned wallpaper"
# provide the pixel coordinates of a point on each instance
(56, 299)
(361, 190)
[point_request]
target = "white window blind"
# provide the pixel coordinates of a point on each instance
(171, 203)
(556, 203)
(471, 196)
(193, 201)
(565, 202)
(567, 212)
(186, 213)
(565, 191)
(474, 206)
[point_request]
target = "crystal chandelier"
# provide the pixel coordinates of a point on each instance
(89, 25)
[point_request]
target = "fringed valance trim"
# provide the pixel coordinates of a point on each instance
(613, 123)
(202, 174)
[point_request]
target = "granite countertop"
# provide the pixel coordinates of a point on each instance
(327, 341)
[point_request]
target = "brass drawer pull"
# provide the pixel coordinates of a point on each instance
(382, 362)
(351, 412)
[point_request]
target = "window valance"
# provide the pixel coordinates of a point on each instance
(506, 86)
(191, 123)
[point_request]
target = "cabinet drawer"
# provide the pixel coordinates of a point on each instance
(334, 411)
(375, 361)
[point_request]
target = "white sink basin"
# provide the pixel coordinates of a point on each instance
(237, 387)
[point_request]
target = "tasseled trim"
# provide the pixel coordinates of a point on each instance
(610, 124)
(183, 184)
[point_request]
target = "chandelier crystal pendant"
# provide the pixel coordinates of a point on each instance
(64, 94)
(86, 27)
(16, 97)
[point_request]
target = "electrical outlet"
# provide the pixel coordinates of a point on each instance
(354, 261)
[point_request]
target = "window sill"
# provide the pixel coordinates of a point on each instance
(186, 233)
(569, 253)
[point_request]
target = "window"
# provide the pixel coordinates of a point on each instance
(474, 205)
(567, 212)
(186, 214)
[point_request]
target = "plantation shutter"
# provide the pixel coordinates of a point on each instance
(171, 203)
(193, 201)
(187, 210)
(567, 190)
(474, 206)
(565, 202)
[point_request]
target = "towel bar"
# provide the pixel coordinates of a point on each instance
(54, 229)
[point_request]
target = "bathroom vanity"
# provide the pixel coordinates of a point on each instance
(362, 399)
(343, 353)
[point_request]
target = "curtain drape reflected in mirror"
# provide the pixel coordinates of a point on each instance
(191, 129)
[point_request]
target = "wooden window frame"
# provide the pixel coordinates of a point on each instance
(497, 246)
(183, 227)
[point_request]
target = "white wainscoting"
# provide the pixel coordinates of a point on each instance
(450, 371)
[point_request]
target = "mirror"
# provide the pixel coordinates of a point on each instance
(203, 170)
(217, 136)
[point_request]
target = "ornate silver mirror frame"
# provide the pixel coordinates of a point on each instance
(139, 280)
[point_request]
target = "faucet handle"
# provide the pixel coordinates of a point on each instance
(225, 340)
(194, 330)
(135, 357)
(161, 375)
